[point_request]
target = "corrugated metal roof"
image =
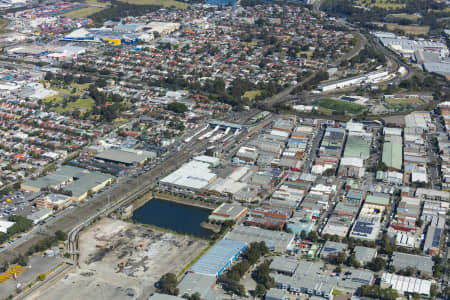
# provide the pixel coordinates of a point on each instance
(218, 257)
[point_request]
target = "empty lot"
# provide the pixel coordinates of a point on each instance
(120, 259)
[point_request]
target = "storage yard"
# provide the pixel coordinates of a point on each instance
(120, 259)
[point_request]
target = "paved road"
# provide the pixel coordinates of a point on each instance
(313, 150)
(361, 44)
(285, 95)
(396, 61)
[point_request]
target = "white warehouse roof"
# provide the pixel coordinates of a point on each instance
(405, 284)
(4, 225)
(194, 174)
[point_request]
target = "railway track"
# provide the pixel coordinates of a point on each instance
(164, 168)
(53, 277)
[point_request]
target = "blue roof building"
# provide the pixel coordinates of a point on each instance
(218, 258)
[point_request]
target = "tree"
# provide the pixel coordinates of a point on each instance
(61, 235)
(101, 83)
(419, 222)
(49, 76)
(434, 290)
(378, 293)
(303, 235)
(209, 152)
(21, 260)
(328, 172)
(195, 296)
(167, 284)
(262, 275)
(352, 262)
(381, 166)
(312, 236)
(177, 107)
(260, 290)
(41, 277)
(4, 267)
(288, 230)
(377, 264)
(22, 224)
(76, 114)
(68, 79)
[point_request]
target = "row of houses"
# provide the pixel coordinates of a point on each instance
(330, 151)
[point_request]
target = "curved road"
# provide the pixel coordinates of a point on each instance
(285, 95)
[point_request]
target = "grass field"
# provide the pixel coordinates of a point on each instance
(406, 17)
(409, 29)
(80, 86)
(165, 3)
(340, 106)
(3, 24)
(385, 4)
(120, 121)
(82, 104)
(325, 111)
(83, 12)
(62, 93)
(404, 101)
(307, 53)
(447, 9)
(98, 3)
(252, 94)
(53, 99)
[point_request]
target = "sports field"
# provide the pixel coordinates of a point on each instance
(406, 16)
(251, 94)
(339, 106)
(3, 24)
(409, 29)
(83, 12)
(386, 4)
(404, 101)
(165, 3)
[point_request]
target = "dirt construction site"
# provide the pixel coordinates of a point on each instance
(120, 260)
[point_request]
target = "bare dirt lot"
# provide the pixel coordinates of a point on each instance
(120, 260)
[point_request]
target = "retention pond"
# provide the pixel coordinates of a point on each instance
(174, 216)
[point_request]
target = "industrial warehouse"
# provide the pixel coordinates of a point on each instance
(275, 240)
(125, 156)
(218, 258)
(310, 278)
(101, 35)
(126, 34)
(257, 150)
(193, 175)
(76, 181)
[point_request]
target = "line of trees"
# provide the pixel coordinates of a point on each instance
(230, 279)
(378, 293)
(48, 242)
(177, 107)
(263, 279)
(167, 284)
(217, 91)
(119, 10)
(22, 224)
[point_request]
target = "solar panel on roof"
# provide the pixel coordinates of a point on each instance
(436, 238)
